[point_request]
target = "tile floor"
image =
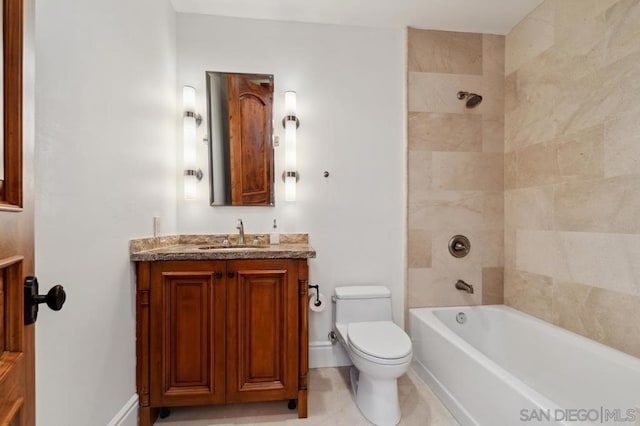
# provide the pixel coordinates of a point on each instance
(330, 403)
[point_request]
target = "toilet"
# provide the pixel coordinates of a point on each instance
(379, 350)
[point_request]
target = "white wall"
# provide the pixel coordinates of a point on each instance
(349, 82)
(105, 165)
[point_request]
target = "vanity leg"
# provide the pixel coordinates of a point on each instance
(147, 416)
(303, 281)
(302, 404)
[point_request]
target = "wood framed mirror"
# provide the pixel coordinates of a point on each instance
(11, 105)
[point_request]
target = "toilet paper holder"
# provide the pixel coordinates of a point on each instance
(317, 287)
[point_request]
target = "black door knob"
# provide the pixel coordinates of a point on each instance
(54, 299)
(231, 274)
(217, 275)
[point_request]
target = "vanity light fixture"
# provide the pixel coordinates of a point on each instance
(191, 120)
(290, 123)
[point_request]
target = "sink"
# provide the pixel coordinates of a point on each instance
(231, 248)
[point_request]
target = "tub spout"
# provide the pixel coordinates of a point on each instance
(462, 286)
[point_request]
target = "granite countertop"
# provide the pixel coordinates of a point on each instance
(189, 247)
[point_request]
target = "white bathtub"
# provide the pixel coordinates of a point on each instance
(504, 367)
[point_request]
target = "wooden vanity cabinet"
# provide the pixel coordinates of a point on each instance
(214, 332)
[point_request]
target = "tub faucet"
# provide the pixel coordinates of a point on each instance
(240, 228)
(462, 286)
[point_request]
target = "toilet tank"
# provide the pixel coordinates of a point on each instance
(362, 303)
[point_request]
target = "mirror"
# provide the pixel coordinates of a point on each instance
(240, 127)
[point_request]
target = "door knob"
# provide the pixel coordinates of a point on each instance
(231, 274)
(217, 275)
(54, 299)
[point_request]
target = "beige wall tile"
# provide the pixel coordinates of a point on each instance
(492, 286)
(493, 55)
(598, 97)
(602, 315)
(419, 248)
(581, 156)
(540, 252)
(622, 145)
(430, 92)
(526, 125)
(608, 205)
(511, 100)
(493, 210)
(445, 52)
(537, 165)
(468, 171)
(418, 285)
(493, 135)
(419, 174)
(491, 244)
(448, 210)
(622, 22)
(510, 170)
(530, 293)
(601, 260)
(445, 132)
(530, 37)
(529, 208)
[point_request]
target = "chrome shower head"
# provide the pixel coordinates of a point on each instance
(473, 99)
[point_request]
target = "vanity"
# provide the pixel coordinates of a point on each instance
(220, 323)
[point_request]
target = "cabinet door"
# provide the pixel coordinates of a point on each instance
(262, 321)
(187, 333)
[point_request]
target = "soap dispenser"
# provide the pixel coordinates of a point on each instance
(274, 238)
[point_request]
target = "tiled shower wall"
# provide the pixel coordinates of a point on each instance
(455, 167)
(572, 168)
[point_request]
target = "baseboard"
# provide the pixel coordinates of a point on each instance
(324, 354)
(128, 414)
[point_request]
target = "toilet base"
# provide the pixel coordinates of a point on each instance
(377, 399)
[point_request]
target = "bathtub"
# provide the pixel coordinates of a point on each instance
(501, 367)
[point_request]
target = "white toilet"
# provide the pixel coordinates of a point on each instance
(379, 349)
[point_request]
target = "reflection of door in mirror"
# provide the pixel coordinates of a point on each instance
(2, 96)
(240, 121)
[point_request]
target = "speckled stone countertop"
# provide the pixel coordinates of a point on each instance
(209, 247)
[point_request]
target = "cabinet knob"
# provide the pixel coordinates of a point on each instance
(231, 274)
(217, 275)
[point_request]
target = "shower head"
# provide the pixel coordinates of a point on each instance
(473, 99)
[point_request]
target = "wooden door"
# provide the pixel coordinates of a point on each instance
(250, 150)
(187, 333)
(17, 362)
(262, 326)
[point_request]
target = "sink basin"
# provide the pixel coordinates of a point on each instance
(232, 248)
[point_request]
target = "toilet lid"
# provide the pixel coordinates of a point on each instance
(380, 339)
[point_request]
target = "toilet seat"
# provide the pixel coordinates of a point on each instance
(382, 342)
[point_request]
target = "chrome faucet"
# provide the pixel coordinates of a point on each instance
(240, 228)
(462, 286)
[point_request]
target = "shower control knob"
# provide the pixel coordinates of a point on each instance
(459, 246)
